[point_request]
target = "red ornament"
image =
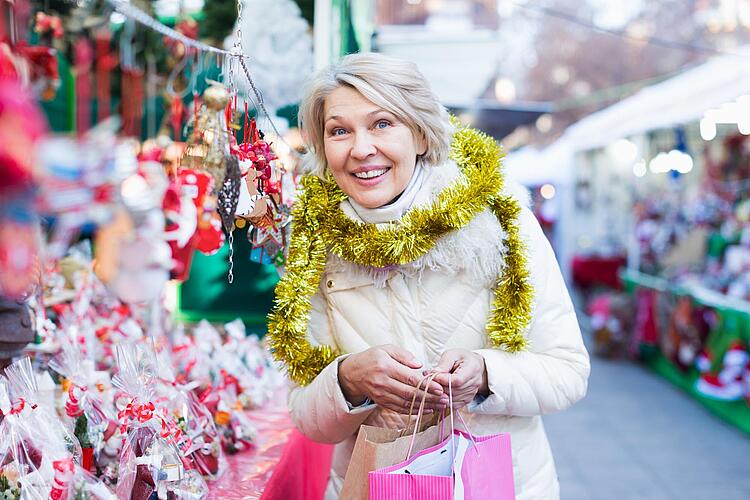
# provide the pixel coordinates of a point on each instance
(83, 56)
(132, 101)
(106, 61)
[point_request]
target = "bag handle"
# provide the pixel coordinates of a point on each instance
(426, 380)
(461, 417)
(450, 409)
(420, 412)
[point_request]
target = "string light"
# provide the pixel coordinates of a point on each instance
(651, 40)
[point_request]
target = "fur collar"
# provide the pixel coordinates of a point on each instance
(477, 249)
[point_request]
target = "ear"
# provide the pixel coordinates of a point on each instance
(421, 145)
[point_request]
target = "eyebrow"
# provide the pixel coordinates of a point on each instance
(371, 113)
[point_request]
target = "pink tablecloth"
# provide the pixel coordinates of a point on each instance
(284, 465)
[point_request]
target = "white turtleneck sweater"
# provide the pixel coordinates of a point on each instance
(396, 209)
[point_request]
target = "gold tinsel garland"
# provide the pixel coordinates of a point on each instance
(320, 226)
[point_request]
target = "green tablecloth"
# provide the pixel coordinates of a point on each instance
(733, 325)
(207, 294)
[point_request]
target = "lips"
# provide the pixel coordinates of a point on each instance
(370, 174)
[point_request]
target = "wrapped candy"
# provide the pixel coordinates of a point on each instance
(267, 377)
(37, 462)
(87, 408)
(199, 439)
(190, 363)
(237, 432)
(151, 461)
(23, 390)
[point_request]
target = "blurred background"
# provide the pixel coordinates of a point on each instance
(628, 122)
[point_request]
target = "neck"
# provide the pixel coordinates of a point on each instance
(394, 209)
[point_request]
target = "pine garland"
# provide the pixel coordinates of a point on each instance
(320, 226)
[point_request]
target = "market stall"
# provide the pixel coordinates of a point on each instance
(134, 145)
(661, 203)
(697, 339)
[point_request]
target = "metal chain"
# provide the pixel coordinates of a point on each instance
(238, 39)
(230, 274)
(132, 12)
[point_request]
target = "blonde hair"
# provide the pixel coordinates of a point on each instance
(394, 85)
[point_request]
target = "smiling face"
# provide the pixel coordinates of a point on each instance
(369, 151)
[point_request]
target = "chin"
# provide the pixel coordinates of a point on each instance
(373, 200)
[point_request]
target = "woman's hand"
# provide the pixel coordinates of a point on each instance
(388, 375)
(468, 375)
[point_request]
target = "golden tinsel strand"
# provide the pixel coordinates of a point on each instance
(320, 226)
(287, 323)
(511, 311)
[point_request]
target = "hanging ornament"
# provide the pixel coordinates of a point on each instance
(255, 156)
(132, 101)
(209, 236)
(83, 56)
(176, 116)
(229, 194)
(208, 146)
(48, 27)
(106, 61)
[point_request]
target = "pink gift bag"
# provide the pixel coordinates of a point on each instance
(462, 467)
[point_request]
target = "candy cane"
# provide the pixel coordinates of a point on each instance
(63, 474)
(73, 404)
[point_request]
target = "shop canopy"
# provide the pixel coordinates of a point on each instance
(532, 167)
(678, 100)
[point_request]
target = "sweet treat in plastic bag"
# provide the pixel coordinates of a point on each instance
(36, 461)
(237, 432)
(23, 392)
(199, 438)
(152, 460)
(88, 411)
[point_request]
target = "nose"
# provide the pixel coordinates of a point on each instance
(363, 147)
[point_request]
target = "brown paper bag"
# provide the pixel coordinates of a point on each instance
(377, 447)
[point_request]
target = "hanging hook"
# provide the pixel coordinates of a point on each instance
(127, 41)
(198, 68)
(177, 70)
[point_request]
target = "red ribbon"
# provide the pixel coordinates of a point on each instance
(64, 470)
(228, 379)
(72, 406)
(135, 411)
(15, 410)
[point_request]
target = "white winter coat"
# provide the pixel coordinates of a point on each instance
(439, 302)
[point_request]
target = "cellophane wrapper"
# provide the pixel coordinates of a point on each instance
(88, 413)
(37, 463)
(200, 439)
(151, 461)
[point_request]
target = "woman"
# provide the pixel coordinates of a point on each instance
(404, 260)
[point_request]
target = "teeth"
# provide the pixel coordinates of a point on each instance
(370, 174)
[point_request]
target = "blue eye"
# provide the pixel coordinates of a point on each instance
(338, 131)
(382, 124)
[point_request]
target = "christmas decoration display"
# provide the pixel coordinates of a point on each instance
(111, 399)
(692, 299)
